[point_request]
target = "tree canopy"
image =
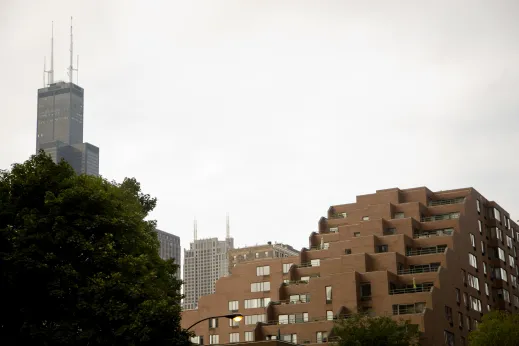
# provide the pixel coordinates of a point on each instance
(79, 264)
(362, 330)
(497, 328)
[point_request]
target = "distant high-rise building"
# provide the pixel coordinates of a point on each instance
(60, 122)
(169, 247)
(205, 262)
(260, 252)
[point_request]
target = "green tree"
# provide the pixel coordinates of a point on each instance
(79, 265)
(497, 328)
(362, 330)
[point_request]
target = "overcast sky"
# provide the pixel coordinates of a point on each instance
(275, 110)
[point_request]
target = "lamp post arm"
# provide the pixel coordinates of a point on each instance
(205, 319)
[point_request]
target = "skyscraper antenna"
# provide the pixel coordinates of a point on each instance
(195, 230)
(71, 68)
(227, 228)
(50, 72)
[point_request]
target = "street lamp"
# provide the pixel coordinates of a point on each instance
(234, 317)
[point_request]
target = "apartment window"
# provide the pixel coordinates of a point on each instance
(473, 261)
(214, 340)
(463, 341)
(496, 233)
(501, 254)
(334, 229)
(500, 273)
(326, 246)
(399, 215)
(390, 231)
(300, 298)
(464, 277)
(511, 261)
(487, 292)
(480, 226)
(478, 205)
(449, 338)
(321, 337)
(347, 251)
(513, 280)
(482, 247)
(497, 214)
(315, 262)
(253, 319)
(329, 315)
(293, 318)
(365, 290)
(356, 234)
(381, 248)
(328, 290)
(460, 320)
(484, 268)
(516, 301)
(472, 240)
(233, 323)
(286, 267)
(234, 337)
(448, 314)
(475, 303)
(260, 286)
(256, 303)
(263, 271)
(458, 293)
(506, 295)
(509, 242)
(468, 323)
(257, 254)
(197, 340)
(465, 299)
(233, 305)
(473, 281)
(249, 336)
(305, 278)
(213, 323)
(365, 218)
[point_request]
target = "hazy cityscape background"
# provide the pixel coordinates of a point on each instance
(272, 111)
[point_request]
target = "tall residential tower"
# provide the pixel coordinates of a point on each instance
(60, 121)
(204, 263)
(169, 247)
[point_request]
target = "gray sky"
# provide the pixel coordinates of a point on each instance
(275, 110)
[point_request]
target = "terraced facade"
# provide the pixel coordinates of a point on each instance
(438, 259)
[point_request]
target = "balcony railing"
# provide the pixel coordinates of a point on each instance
(450, 216)
(447, 201)
(309, 320)
(305, 265)
(418, 289)
(424, 269)
(408, 310)
(435, 233)
(288, 301)
(426, 251)
(295, 282)
(338, 216)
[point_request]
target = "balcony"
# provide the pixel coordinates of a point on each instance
(295, 282)
(427, 251)
(434, 233)
(418, 289)
(446, 201)
(429, 268)
(289, 302)
(406, 309)
(338, 216)
(449, 216)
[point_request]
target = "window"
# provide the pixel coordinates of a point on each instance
(506, 295)
(347, 251)
(356, 234)
(233, 305)
(464, 277)
(300, 298)
(321, 337)
(390, 231)
(256, 303)
(449, 338)
(328, 294)
(365, 290)
(286, 267)
(458, 293)
(473, 281)
(498, 234)
(497, 214)
(213, 323)
(257, 254)
(460, 320)
(249, 336)
(463, 341)
(234, 337)
(478, 205)
(197, 340)
(516, 301)
(315, 262)
(214, 340)
(381, 248)
(509, 242)
(511, 261)
(500, 273)
(448, 314)
(253, 319)
(263, 271)
(480, 226)
(487, 292)
(472, 240)
(475, 303)
(399, 215)
(468, 323)
(483, 248)
(334, 229)
(260, 286)
(365, 218)
(513, 280)
(233, 323)
(293, 318)
(473, 261)
(501, 254)
(465, 299)
(329, 315)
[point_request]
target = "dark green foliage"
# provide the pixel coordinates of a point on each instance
(497, 328)
(362, 330)
(78, 263)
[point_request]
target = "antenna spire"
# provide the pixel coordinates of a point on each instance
(71, 68)
(227, 228)
(50, 72)
(195, 229)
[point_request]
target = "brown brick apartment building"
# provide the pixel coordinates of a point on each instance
(438, 259)
(260, 252)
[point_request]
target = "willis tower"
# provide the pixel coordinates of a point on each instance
(60, 120)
